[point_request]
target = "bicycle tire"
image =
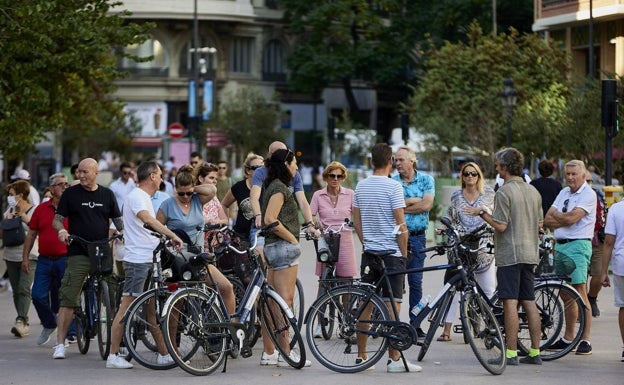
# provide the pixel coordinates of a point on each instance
(552, 309)
(326, 323)
(81, 318)
(281, 324)
(140, 322)
(339, 353)
(103, 321)
(239, 292)
(199, 348)
(483, 332)
(298, 305)
(436, 319)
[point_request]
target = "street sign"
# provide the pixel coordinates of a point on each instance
(176, 130)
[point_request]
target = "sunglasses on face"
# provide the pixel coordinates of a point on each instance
(253, 167)
(187, 193)
(335, 176)
(470, 173)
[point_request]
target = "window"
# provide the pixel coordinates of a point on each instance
(241, 54)
(158, 66)
(273, 62)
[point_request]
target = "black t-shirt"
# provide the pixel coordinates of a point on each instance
(548, 189)
(88, 214)
(245, 214)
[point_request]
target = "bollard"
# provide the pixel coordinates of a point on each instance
(610, 194)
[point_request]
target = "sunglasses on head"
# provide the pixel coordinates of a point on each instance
(187, 193)
(335, 176)
(470, 173)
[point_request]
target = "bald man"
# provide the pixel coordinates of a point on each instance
(88, 207)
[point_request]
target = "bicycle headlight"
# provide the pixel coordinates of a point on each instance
(187, 275)
(323, 257)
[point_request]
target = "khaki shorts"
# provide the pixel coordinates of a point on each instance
(595, 265)
(77, 270)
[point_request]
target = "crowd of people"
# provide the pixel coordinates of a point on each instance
(390, 211)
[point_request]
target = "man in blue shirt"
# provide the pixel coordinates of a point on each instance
(419, 191)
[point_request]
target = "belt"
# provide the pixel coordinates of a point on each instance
(562, 241)
(413, 233)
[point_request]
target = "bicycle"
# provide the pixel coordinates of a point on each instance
(209, 331)
(145, 315)
(327, 251)
(353, 301)
(94, 315)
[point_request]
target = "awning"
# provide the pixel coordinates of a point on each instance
(146, 141)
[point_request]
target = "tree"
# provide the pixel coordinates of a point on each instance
(57, 71)
(341, 41)
(457, 102)
(249, 120)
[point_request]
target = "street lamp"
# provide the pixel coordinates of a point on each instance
(509, 96)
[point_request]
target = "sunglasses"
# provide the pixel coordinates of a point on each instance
(335, 176)
(253, 167)
(565, 206)
(187, 193)
(62, 184)
(470, 173)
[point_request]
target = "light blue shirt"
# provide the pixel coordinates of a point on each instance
(176, 219)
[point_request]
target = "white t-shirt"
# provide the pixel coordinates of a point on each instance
(122, 189)
(138, 241)
(615, 227)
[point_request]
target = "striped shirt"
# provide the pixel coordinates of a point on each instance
(377, 197)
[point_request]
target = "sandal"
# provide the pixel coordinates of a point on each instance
(444, 338)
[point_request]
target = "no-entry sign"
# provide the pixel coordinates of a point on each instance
(176, 130)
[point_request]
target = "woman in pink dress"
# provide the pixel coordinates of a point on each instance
(331, 205)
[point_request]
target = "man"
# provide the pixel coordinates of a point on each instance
(614, 250)
(196, 159)
(418, 191)
(124, 184)
(51, 261)
(516, 219)
(33, 195)
(573, 215)
(379, 222)
(88, 207)
(548, 187)
(595, 282)
(139, 243)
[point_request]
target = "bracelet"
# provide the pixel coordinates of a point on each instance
(307, 224)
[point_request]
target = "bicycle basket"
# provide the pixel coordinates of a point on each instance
(332, 240)
(229, 261)
(100, 258)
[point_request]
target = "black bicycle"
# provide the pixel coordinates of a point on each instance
(360, 311)
(94, 316)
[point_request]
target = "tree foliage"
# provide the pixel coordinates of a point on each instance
(57, 71)
(458, 104)
(249, 120)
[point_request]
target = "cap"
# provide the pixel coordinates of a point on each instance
(21, 174)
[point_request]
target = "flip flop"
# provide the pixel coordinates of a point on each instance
(444, 338)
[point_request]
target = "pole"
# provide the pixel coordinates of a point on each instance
(194, 126)
(591, 41)
(509, 112)
(494, 22)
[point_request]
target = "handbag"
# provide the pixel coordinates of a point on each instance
(13, 233)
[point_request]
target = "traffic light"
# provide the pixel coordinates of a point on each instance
(331, 128)
(405, 127)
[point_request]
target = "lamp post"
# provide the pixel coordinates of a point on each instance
(509, 96)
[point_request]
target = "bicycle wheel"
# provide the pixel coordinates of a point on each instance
(351, 304)
(81, 318)
(327, 323)
(483, 332)
(194, 339)
(298, 305)
(239, 292)
(104, 320)
(142, 329)
(436, 319)
(553, 299)
(282, 328)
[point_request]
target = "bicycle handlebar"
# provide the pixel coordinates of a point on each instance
(73, 237)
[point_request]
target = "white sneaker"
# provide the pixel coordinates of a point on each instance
(360, 361)
(164, 360)
(45, 336)
(295, 357)
(318, 333)
(398, 367)
(116, 361)
(269, 359)
(59, 352)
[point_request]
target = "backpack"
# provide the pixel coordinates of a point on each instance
(601, 219)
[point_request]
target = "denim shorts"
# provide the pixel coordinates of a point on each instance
(282, 254)
(136, 273)
(252, 233)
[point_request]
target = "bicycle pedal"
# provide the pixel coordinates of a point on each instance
(459, 329)
(246, 352)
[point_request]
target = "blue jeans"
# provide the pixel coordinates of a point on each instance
(416, 260)
(45, 290)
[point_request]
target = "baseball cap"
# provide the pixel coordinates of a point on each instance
(21, 174)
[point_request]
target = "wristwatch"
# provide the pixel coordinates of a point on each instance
(481, 212)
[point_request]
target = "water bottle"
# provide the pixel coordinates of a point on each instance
(323, 251)
(421, 305)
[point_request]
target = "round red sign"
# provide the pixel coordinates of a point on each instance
(176, 130)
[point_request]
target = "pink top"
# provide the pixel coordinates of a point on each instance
(334, 216)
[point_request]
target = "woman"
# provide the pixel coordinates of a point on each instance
(214, 214)
(184, 212)
(281, 247)
(21, 271)
(239, 193)
(464, 215)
